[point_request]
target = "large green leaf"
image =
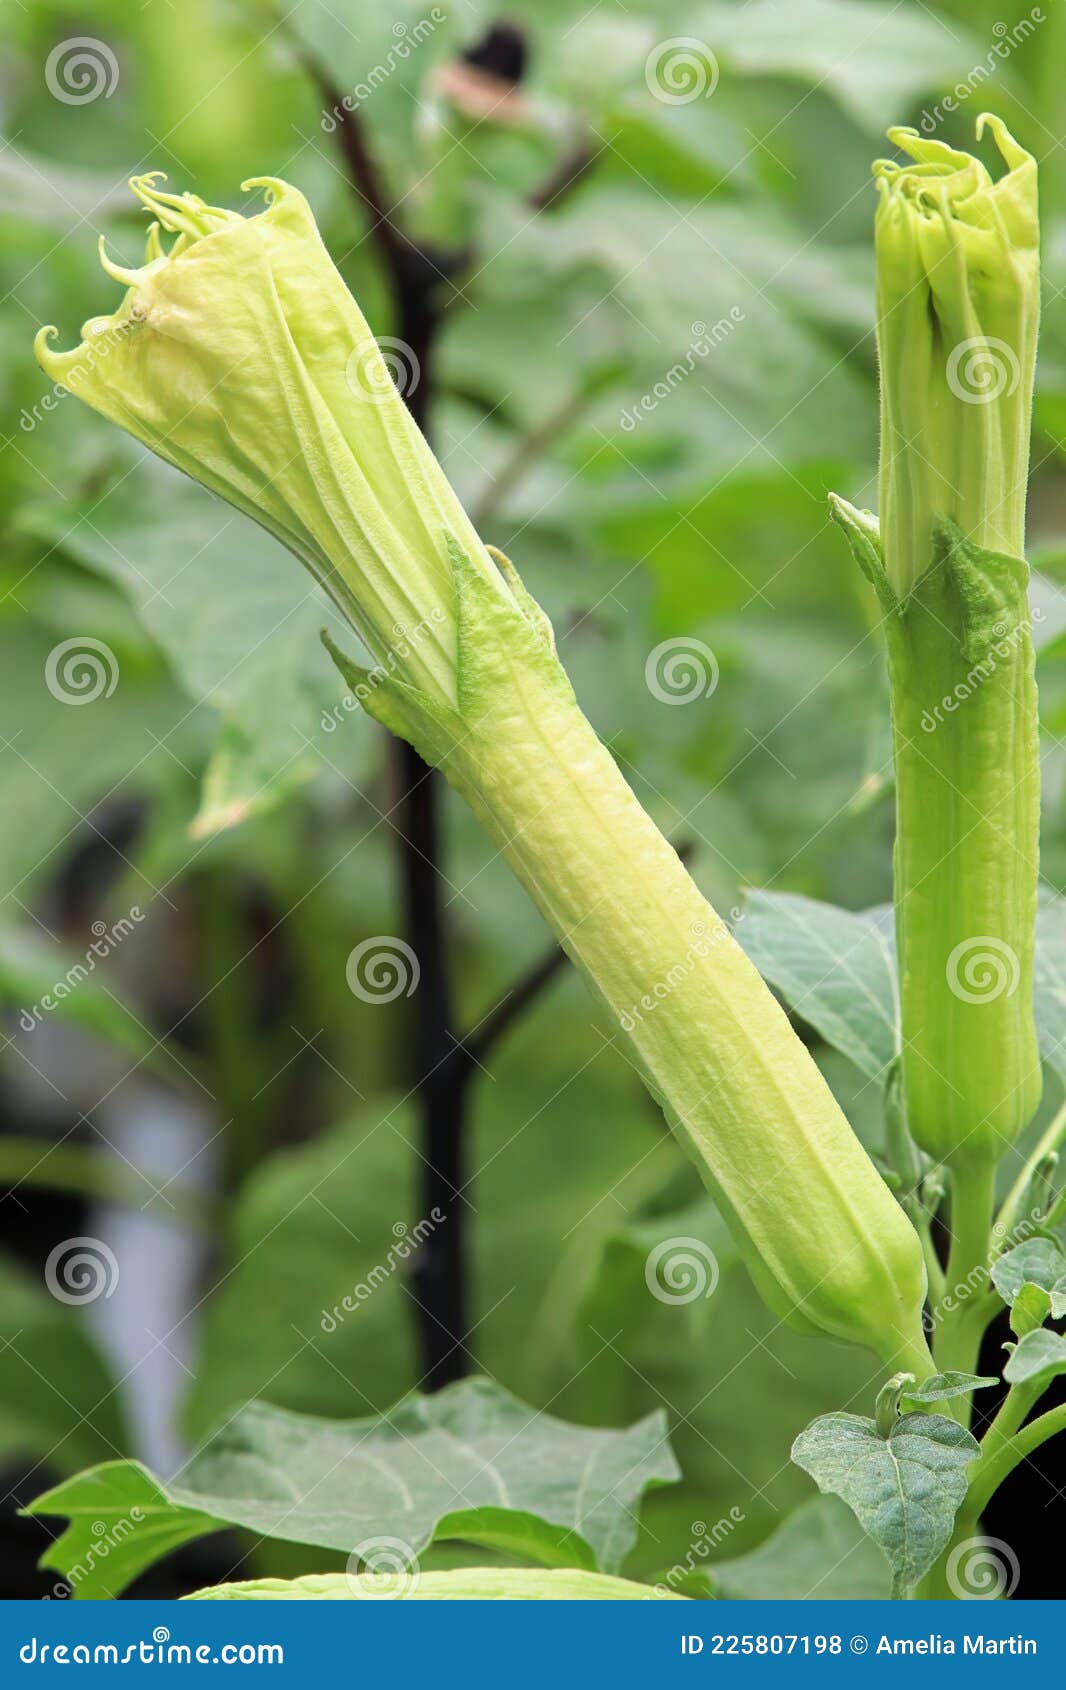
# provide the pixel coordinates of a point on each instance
(904, 1489)
(470, 1463)
(834, 968)
(233, 612)
(837, 969)
(820, 1553)
(874, 57)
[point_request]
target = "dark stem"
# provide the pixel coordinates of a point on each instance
(438, 1279)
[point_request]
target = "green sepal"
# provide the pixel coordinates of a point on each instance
(985, 592)
(500, 635)
(431, 728)
(863, 534)
(537, 618)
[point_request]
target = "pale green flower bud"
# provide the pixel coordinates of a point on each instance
(237, 366)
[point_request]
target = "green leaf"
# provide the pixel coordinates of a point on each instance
(1038, 1262)
(237, 622)
(474, 1584)
(122, 1520)
(820, 1553)
(875, 58)
(471, 1463)
(838, 970)
(942, 1387)
(1029, 1310)
(905, 1490)
(58, 1401)
(834, 968)
(1038, 1358)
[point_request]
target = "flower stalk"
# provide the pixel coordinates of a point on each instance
(248, 365)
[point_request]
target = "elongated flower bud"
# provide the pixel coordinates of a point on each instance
(957, 311)
(233, 367)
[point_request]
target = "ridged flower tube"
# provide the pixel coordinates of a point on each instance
(957, 314)
(233, 367)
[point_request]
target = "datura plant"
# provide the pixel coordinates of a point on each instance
(240, 357)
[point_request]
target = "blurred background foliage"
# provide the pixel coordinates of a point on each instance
(214, 1102)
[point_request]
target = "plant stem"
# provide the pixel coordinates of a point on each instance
(1049, 1140)
(998, 1466)
(958, 1336)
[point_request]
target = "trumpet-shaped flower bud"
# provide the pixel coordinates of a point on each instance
(957, 312)
(240, 357)
(249, 366)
